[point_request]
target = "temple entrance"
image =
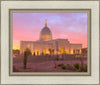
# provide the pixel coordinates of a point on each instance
(43, 51)
(62, 50)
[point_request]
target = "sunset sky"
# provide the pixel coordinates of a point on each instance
(71, 26)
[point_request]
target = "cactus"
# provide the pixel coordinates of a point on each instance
(25, 59)
(26, 54)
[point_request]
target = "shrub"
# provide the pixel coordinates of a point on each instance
(67, 64)
(60, 64)
(85, 68)
(76, 66)
(81, 68)
(63, 67)
(69, 67)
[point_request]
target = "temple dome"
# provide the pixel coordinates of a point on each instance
(45, 33)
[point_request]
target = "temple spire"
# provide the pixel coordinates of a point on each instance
(45, 22)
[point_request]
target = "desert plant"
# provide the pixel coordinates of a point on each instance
(60, 64)
(76, 66)
(85, 68)
(69, 67)
(81, 68)
(25, 59)
(26, 53)
(67, 64)
(63, 67)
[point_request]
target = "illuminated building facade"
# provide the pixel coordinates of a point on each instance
(47, 45)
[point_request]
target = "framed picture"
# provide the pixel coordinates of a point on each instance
(51, 51)
(50, 42)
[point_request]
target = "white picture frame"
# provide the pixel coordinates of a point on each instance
(91, 79)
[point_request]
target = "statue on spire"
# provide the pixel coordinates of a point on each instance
(45, 22)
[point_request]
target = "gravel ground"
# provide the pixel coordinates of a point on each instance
(45, 64)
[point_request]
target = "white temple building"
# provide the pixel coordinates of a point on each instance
(47, 45)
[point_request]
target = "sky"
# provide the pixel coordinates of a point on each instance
(71, 26)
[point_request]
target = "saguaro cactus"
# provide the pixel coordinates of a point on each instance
(25, 59)
(26, 54)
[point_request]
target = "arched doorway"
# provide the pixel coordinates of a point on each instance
(37, 51)
(44, 51)
(62, 50)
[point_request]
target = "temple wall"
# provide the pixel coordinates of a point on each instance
(35, 47)
(75, 47)
(59, 46)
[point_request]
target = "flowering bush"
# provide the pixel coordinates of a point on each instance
(83, 68)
